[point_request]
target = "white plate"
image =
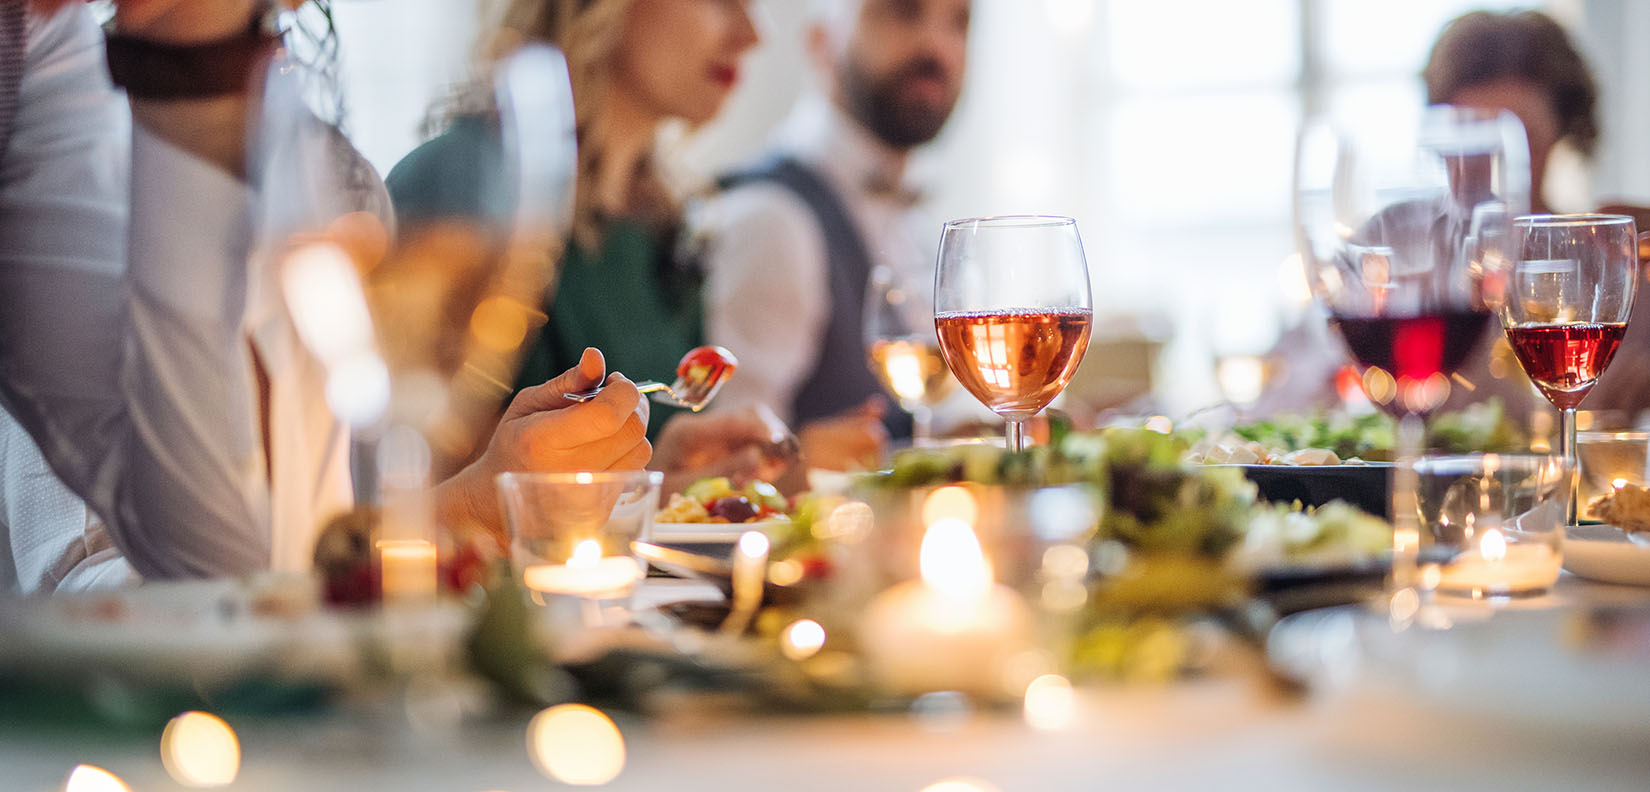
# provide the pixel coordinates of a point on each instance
(208, 633)
(711, 533)
(1569, 675)
(1605, 554)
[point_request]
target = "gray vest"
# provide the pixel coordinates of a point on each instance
(841, 378)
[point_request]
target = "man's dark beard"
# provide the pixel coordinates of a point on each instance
(877, 104)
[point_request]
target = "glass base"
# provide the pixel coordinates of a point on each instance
(1493, 593)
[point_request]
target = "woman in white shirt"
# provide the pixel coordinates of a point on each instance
(174, 397)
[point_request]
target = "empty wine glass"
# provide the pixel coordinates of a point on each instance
(903, 352)
(1405, 235)
(1565, 307)
(1013, 308)
(420, 332)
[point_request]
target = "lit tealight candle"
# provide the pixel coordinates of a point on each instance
(587, 573)
(1497, 567)
(954, 629)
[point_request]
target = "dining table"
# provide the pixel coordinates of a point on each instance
(1234, 724)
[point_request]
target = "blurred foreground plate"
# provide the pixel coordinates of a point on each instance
(1604, 553)
(1368, 487)
(1575, 675)
(205, 637)
(714, 539)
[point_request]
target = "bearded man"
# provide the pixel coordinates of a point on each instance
(796, 237)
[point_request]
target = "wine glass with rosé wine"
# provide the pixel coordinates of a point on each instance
(1406, 232)
(1013, 308)
(1566, 304)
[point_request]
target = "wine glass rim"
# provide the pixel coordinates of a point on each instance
(1571, 220)
(1013, 220)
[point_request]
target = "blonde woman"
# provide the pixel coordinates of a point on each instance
(624, 286)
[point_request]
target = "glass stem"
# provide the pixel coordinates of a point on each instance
(922, 425)
(1015, 431)
(1567, 446)
(1406, 522)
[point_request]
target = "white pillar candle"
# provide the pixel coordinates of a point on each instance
(408, 569)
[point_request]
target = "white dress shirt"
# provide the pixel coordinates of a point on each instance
(141, 390)
(766, 292)
(63, 190)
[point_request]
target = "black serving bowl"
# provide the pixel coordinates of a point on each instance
(1368, 487)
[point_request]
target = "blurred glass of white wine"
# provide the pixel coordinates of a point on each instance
(904, 350)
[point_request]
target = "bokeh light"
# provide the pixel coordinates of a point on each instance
(950, 503)
(200, 750)
(960, 785)
(500, 323)
(576, 744)
(802, 639)
(753, 544)
(788, 572)
(90, 778)
(1050, 703)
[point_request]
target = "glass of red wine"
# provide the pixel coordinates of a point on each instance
(1012, 308)
(1565, 306)
(1407, 240)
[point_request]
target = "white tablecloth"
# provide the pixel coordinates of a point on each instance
(1230, 730)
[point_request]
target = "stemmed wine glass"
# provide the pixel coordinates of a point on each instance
(420, 334)
(1565, 307)
(1012, 308)
(1406, 237)
(903, 353)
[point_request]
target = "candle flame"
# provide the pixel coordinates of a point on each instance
(1493, 547)
(952, 562)
(1618, 483)
(585, 554)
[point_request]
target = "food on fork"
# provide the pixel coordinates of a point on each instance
(1627, 508)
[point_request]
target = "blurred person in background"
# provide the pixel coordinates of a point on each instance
(1522, 62)
(158, 370)
(796, 237)
(627, 283)
(1525, 63)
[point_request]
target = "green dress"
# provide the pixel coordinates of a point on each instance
(631, 298)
